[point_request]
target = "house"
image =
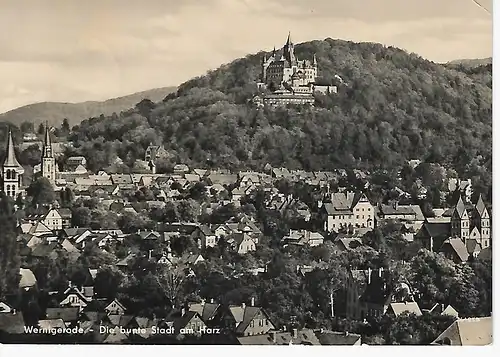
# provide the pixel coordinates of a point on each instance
(303, 237)
(305, 337)
(407, 213)
(204, 236)
(221, 179)
(455, 249)
(115, 308)
(397, 308)
(348, 210)
(69, 315)
(181, 169)
(467, 332)
(345, 244)
(207, 311)
(245, 320)
(369, 293)
(433, 234)
(73, 297)
(242, 242)
(442, 309)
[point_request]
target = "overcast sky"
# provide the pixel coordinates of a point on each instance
(74, 50)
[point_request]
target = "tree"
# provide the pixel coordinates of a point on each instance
(41, 191)
(41, 129)
(81, 217)
(27, 127)
(107, 282)
(171, 281)
(9, 252)
(67, 197)
(65, 129)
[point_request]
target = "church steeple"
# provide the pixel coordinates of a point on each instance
(10, 157)
(48, 159)
(47, 144)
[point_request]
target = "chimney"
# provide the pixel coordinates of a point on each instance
(346, 333)
(395, 204)
(14, 311)
(252, 302)
(243, 305)
(202, 302)
(211, 301)
(273, 336)
(295, 333)
(183, 311)
(380, 270)
(369, 275)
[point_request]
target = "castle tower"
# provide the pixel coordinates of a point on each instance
(48, 160)
(12, 171)
(460, 224)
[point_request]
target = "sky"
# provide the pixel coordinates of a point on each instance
(74, 50)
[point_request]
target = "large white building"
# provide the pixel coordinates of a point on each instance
(348, 210)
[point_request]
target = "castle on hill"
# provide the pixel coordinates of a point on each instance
(290, 80)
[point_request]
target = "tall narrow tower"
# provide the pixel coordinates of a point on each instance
(12, 171)
(48, 160)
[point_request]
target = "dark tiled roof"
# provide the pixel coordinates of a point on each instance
(338, 338)
(12, 323)
(67, 314)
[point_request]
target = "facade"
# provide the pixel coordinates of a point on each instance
(12, 171)
(291, 81)
(348, 211)
(471, 223)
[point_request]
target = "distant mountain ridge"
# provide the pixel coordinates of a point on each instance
(55, 112)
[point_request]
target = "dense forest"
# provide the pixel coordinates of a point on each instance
(391, 107)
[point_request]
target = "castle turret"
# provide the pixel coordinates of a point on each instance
(48, 160)
(12, 171)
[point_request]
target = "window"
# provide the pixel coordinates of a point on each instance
(8, 189)
(357, 216)
(13, 174)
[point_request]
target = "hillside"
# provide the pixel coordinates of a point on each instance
(475, 62)
(76, 112)
(395, 107)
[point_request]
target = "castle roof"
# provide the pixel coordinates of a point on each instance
(10, 157)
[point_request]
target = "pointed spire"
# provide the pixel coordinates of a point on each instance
(288, 41)
(315, 62)
(460, 206)
(480, 206)
(47, 145)
(10, 157)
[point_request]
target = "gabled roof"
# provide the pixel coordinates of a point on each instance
(12, 323)
(458, 247)
(243, 315)
(302, 337)
(50, 324)
(467, 332)
(410, 307)
(67, 314)
(206, 310)
(338, 338)
(28, 279)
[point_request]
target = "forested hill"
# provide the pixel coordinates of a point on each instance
(393, 107)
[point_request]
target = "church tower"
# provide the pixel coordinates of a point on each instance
(12, 171)
(481, 219)
(460, 221)
(48, 160)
